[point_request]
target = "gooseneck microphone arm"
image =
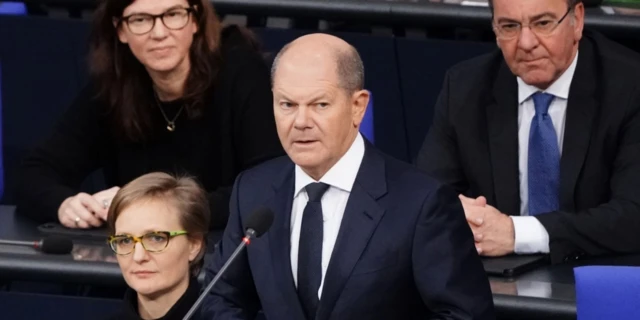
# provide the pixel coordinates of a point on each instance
(256, 225)
(246, 240)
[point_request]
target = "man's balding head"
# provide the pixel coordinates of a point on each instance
(348, 64)
(318, 100)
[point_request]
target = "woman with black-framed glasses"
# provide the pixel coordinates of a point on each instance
(174, 18)
(158, 229)
(170, 90)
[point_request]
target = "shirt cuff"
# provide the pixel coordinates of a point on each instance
(531, 236)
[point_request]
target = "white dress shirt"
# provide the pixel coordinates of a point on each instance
(531, 236)
(340, 179)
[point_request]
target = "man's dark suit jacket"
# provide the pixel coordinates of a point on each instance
(473, 146)
(404, 251)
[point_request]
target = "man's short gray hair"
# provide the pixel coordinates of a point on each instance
(350, 68)
(570, 3)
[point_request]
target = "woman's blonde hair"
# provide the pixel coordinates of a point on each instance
(184, 193)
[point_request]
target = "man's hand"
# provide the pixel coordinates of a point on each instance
(493, 231)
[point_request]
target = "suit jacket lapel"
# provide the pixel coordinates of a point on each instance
(581, 109)
(279, 239)
(502, 121)
(360, 219)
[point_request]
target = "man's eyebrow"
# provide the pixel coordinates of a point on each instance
(539, 16)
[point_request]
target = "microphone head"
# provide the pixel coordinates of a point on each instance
(260, 221)
(56, 245)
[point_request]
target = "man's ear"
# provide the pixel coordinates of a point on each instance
(359, 102)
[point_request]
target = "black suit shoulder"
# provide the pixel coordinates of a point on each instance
(618, 68)
(266, 173)
(615, 73)
(474, 76)
(469, 84)
(614, 56)
(407, 181)
(404, 173)
(475, 70)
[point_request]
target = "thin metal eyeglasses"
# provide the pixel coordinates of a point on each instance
(156, 241)
(542, 27)
(173, 19)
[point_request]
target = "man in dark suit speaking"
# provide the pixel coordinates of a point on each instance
(546, 130)
(356, 234)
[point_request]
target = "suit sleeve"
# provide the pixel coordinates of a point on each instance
(613, 226)
(234, 297)
(55, 169)
(438, 155)
(446, 266)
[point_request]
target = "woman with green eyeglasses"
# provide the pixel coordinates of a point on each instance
(158, 226)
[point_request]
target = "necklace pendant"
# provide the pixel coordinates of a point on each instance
(171, 127)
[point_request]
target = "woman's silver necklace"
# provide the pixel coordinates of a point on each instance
(171, 124)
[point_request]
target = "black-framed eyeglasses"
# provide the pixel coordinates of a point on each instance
(542, 27)
(173, 19)
(156, 241)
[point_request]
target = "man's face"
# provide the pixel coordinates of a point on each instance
(538, 45)
(316, 118)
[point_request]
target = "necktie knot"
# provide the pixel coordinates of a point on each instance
(316, 190)
(542, 101)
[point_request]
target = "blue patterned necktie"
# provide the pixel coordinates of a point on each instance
(544, 159)
(310, 250)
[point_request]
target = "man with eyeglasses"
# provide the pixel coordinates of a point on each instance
(542, 138)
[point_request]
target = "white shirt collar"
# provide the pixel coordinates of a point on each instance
(342, 175)
(559, 88)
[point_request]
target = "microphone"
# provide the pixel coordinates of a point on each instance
(52, 244)
(257, 224)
